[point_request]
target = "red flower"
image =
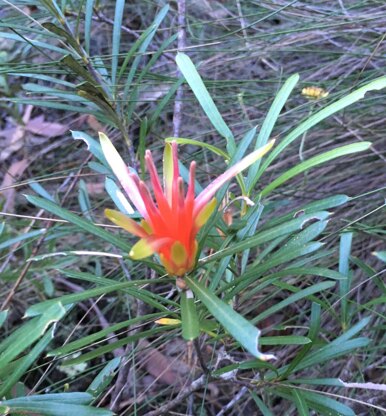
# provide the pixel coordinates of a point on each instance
(173, 218)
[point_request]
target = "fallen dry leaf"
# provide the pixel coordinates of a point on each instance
(43, 128)
(11, 176)
(94, 124)
(14, 140)
(95, 188)
(15, 136)
(167, 370)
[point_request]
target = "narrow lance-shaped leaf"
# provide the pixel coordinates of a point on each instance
(189, 318)
(118, 16)
(344, 285)
(381, 255)
(80, 222)
(315, 161)
(242, 330)
(26, 338)
(104, 377)
(87, 23)
(269, 122)
(199, 89)
(3, 317)
(316, 118)
(25, 363)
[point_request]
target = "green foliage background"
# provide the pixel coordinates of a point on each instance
(305, 264)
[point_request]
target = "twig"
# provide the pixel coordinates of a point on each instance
(194, 386)
(121, 388)
(103, 18)
(200, 357)
(358, 137)
(104, 323)
(235, 399)
(181, 44)
(39, 242)
(243, 24)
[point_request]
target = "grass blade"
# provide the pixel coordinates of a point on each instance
(269, 123)
(344, 285)
(333, 108)
(88, 226)
(315, 161)
(87, 24)
(199, 89)
(119, 7)
(242, 330)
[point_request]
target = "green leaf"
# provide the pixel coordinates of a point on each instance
(333, 108)
(142, 49)
(205, 145)
(87, 23)
(55, 10)
(132, 52)
(332, 351)
(344, 285)
(281, 257)
(52, 80)
(97, 336)
(55, 105)
(300, 402)
(39, 308)
(118, 197)
(267, 235)
(242, 330)
(25, 363)
(40, 190)
(189, 318)
(104, 377)
(55, 408)
(22, 237)
(93, 145)
(320, 205)
(84, 200)
(326, 402)
(88, 226)
(162, 104)
(195, 82)
(64, 34)
(33, 42)
(146, 71)
(313, 333)
(260, 404)
(268, 124)
(355, 329)
(301, 294)
(102, 351)
(303, 237)
(315, 161)
(381, 255)
(118, 15)
(36, 328)
(285, 340)
(72, 398)
(90, 93)
(335, 382)
(77, 68)
(3, 317)
(66, 93)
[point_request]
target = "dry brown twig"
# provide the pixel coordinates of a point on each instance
(39, 243)
(181, 44)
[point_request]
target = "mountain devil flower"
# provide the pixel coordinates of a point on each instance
(171, 217)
